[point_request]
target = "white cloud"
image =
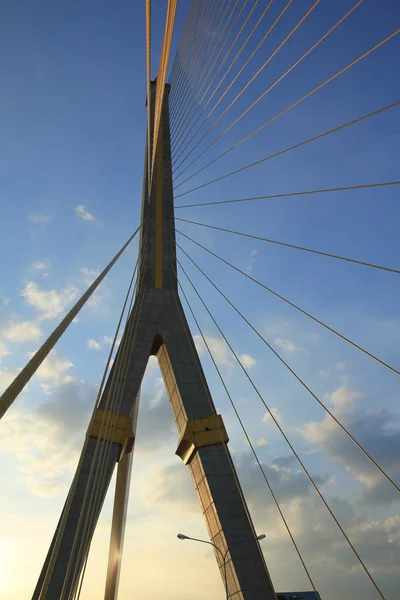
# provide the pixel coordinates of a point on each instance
(221, 352)
(98, 296)
(89, 275)
(278, 326)
(286, 345)
(93, 345)
(344, 396)
(46, 440)
(106, 341)
(4, 300)
(19, 333)
(218, 348)
(7, 376)
(39, 218)
(101, 293)
(39, 266)
(247, 360)
(3, 350)
(337, 369)
(46, 388)
(54, 369)
(160, 488)
(83, 213)
(261, 442)
(378, 431)
(252, 260)
(275, 412)
(49, 303)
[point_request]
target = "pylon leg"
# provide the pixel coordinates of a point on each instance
(118, 526)
(121, 498)
(159, 327)
(213, 473)
(64, 563)
(71, 542)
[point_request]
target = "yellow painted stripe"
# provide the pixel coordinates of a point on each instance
(162, 73)
(159, 216)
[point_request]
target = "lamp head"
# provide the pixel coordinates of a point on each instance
(182, 536)
(261, 537)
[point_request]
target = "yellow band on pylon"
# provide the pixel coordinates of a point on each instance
(201, 432)
(111, 427)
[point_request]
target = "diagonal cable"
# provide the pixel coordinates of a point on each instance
(162, 74)
(201, 41)
(23, 377)
(248, 439)
(189, 55)
(252, 32)
(183, 52)
(77, 593)
(101, 451)
(321, 39)
(309, 476)
(65, 513)
(285, 8)
(341, 336)
(187, 111)
(287, 109)
(148, 80)
(244, 88)
(262, 239)
(210, 71)
(183, 42)
(326, 409)
(290, 148)
(292, 194)
(218, 70)
(203, 67)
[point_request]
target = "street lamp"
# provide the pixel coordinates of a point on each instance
(182, 536)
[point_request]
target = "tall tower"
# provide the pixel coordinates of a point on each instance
(156, 326)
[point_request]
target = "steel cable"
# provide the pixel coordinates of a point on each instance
(294, 147)
(310, 478)
(293, 105)
(279, 357)
(51, 564)
(188, 51)
(244, 88)
(95, 478)
(24, 376)
(193, 122)
(188, 72)
(230, 67)
(183, 41)
(162, 73)
(97, 500)
(77, 593)
(248, 438)
(262, 239)
(103, 451)
(292, 194)
(378, 360)
(201, 68)
(187, 111)
(148, 79)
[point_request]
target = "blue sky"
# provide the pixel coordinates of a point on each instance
(72, 123)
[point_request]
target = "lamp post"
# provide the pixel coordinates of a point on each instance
(182, 536)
